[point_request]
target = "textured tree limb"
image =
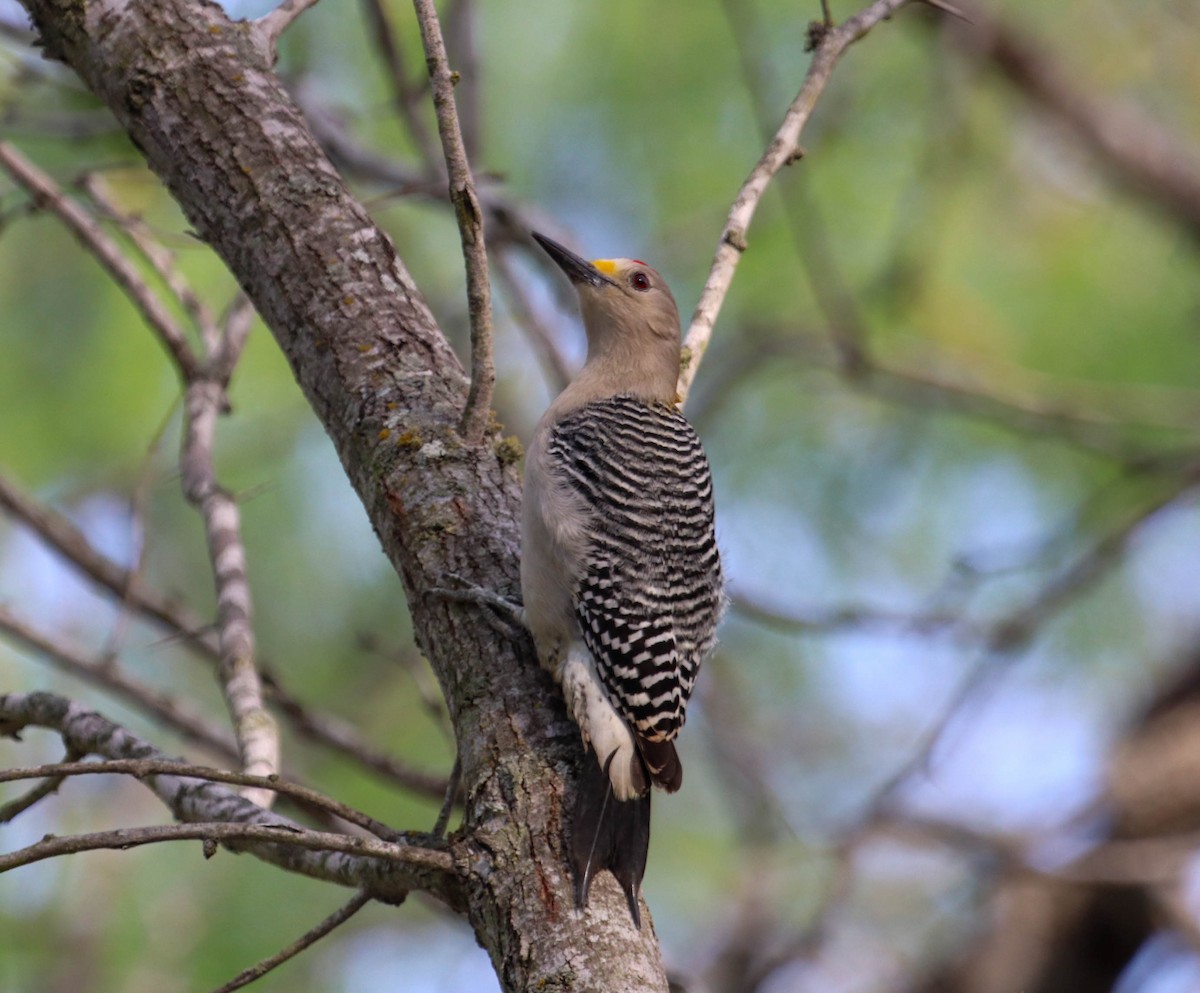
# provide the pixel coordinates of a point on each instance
(783, 149)
(47, 195)
(217, 126)
(247, 836)
(255, 729)
(385, 869)
(311, 937)
(128, 586)
(477, 413)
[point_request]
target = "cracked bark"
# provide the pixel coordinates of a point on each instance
(196, 94)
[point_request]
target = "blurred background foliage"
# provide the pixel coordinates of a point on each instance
(1028, 392)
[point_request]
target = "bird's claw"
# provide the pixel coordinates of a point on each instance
(507, 617)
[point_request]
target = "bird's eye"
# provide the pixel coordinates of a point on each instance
(640, 281)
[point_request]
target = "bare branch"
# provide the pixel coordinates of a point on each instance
(143, 768)
(330, 923)
(477, 414)
(387, 870)
(13, 809)
(779, 152)
(226, 833)
(254, 728)
(91, 235)
(833, 619)
(232, 337)
(271, 26)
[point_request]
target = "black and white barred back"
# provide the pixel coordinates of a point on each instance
(651, 593)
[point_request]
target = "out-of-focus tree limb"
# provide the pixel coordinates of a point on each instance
(1138, 153)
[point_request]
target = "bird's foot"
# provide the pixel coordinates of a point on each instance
(507, 617)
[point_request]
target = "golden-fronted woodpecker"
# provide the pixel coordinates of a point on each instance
(620, 574)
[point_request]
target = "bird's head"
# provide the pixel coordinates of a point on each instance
(630, 317)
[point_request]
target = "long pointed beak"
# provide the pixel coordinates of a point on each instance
(578, 270)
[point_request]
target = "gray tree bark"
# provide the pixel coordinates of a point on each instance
(196, 93)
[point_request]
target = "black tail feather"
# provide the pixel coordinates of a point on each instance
(608, 833)
(662, 762)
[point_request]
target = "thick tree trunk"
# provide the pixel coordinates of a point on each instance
(196, 94)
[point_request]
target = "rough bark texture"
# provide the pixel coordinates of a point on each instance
(196, 94)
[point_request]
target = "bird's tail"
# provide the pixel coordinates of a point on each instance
(608, 833)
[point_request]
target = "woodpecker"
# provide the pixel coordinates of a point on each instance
(620, 573)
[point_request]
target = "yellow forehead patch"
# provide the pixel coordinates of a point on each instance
(606, 266)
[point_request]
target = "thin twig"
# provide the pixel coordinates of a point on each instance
(273, 24)
(233, 335)
(779, 152)
(334, 920)
(345, 860)
(834, 619)
(14, 808)
(225, 833)
(143, 768)
(46, 194)
(477, 413)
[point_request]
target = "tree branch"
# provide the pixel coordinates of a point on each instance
(273, 24)
(782, 150)
(385, 869)
(255, 730)
(1129, 145)
(477, 413)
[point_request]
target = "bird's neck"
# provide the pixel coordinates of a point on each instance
(651, 374)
